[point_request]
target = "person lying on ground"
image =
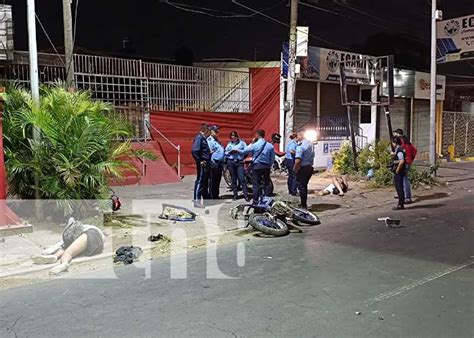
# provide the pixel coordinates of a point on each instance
(77, 240)
(339, 186)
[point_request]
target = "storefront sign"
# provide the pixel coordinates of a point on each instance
(423, 86)
(455, 39)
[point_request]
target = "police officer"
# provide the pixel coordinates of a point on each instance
(304, 158)
(290, 151)
(263, 157)
(202, 157)
(235, 164)
(217, 158)
(399, 171)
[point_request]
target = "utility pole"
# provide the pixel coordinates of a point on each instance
(432, 148)
(68, 43)
(33, 51)
(34, 82)
(291, 84)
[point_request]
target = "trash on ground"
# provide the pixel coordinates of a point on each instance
(156, 238)
(127, 254)
(176, 213)
(390, 222)
(358, 313)
(381, 318)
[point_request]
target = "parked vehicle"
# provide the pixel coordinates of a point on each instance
(247, 173)
(273, 217)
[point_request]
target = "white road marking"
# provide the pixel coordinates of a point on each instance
(405, 288)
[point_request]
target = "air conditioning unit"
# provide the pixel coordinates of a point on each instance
(6, 33)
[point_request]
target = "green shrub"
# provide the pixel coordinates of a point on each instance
(75, 150)
(374, 156)
(343, 160)
(423, 177)
(383, 177)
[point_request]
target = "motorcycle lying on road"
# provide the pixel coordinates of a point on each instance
(273, 217)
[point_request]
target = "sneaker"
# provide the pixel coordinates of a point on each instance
(44, 259)
(398, 207)
(199, 205)
(408, 201)
(59, 269)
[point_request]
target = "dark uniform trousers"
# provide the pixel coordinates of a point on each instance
(260, 178)
(215, 179)
(201, 185)
(302, 179)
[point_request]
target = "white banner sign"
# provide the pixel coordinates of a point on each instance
(331, 59)
(302, 41)
(423, 86)
(455, 39)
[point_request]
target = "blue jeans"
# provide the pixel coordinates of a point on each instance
(292, 185)
(236, 170)
(406, 183)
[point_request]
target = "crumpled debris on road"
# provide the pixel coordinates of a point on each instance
(127, 254)
(176, 213)
(156, 238)
(390, 222)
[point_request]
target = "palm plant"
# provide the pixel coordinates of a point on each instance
(66, 147)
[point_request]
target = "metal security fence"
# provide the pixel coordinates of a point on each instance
(180, 88)
(458, 130)
(133, 86)
(125, 82)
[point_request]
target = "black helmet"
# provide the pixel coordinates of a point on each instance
(276, 138)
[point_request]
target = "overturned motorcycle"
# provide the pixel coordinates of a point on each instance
(273, 217)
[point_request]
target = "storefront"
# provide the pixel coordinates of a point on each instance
(318, 99)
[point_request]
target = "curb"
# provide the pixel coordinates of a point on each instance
(81, 260)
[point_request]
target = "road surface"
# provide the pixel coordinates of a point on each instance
(351, 277)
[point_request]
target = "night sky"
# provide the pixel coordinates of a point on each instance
(158, 30)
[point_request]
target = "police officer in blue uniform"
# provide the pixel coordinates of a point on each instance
(290, 151)
(304, 158)
(217, 159)
(202, 156)
(263, 157)
(235, 164)
(399, 171)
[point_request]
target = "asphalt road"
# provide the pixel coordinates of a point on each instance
(345, 278)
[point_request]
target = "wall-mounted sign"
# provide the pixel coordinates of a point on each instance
(423, 86)
(455, 39)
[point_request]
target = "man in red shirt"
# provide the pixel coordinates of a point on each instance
(410, 153)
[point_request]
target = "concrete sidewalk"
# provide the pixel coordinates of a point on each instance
(142, 205)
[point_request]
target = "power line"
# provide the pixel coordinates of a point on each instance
(49, 39)
(203, 10)
(283, 23)
(318, 8)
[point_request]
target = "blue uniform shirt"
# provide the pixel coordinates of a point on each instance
(262, 152)
(200, 149)
(240, 145)
(291, 146)
(217, 151)
(305, 151)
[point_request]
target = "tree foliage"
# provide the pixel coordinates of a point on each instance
(66, 147)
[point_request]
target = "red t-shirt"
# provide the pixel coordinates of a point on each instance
(410, 151)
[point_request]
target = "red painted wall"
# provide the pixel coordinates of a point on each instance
(181, 127)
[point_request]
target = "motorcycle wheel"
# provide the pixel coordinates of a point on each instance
(304, 217)
(227, 177)
(268, 225)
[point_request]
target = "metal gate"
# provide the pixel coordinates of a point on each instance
(458, 130)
